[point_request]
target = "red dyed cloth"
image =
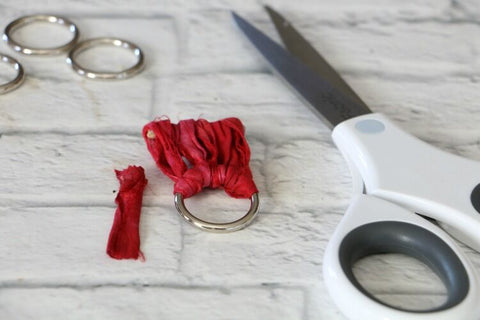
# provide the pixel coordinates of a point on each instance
(124, 239)
(198, 154)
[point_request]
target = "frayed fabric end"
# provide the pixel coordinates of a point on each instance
(124, 239)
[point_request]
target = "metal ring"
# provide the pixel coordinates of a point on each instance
(26, 20)
(92, 74)
(18, 80)
(218, 227)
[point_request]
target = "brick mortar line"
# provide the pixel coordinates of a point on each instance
(153, 99)
(362, 73)
(358, 73)
(366, 73)
(133, 131)
(264, 286)
(129, 132)
(443, 18)
(137, 132)
(330, 210)
(190, 287)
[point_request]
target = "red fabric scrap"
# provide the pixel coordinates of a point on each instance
(124, 239)
(198, 154)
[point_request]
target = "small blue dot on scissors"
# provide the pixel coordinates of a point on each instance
(370, 126)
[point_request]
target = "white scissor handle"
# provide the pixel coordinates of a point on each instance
(400, 168)
(372, 226)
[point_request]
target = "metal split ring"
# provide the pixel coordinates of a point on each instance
(218, 227)
(18, 80)
(26, 20)
(92, 74)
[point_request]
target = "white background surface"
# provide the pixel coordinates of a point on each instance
(62, 136)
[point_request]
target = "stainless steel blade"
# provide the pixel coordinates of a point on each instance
(326, 101)
(304, 51)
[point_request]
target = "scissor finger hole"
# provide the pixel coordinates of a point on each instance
(400, 281)
(106, 58)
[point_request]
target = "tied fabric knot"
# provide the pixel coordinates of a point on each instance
(198, 154)
(236, 181)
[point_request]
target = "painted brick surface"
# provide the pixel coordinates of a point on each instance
(61, 137)
(171, 303)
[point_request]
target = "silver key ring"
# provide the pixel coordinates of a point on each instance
(18, 80)
(26, 20)
(218, 227)
(92, 74)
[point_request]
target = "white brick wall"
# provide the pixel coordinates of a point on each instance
(137, 302)
(62, 136)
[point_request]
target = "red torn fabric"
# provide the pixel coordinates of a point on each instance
(124, 239)
(198, 154)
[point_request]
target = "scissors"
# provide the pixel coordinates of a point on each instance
(395, 176)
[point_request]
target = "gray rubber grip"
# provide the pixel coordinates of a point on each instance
(475, 197)
(413, 241)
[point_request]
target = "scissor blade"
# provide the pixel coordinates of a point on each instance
(303, 51)
(327, 102)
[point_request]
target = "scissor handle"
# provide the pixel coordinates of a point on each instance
(372, 226)
(392, 164)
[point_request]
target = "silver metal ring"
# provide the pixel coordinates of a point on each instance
(218, 227)
(26, 20)
(18, 80)
(92, 74)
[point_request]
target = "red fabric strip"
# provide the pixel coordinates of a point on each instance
(124, 239)
(198, 154)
